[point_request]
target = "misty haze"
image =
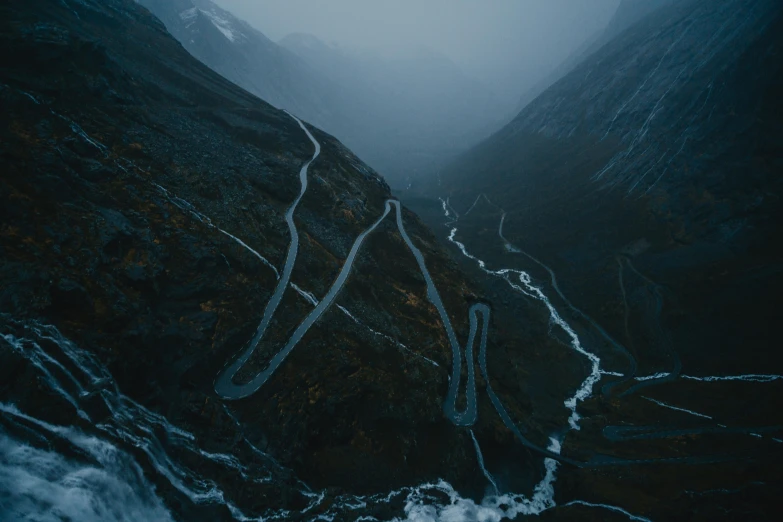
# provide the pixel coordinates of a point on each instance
(410, 261)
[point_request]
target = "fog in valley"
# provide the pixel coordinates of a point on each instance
(507, 44)
(409, 84)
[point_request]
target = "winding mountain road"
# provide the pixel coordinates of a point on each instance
(224, 386)
(228, 389)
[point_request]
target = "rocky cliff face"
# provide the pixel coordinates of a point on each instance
(142, 210)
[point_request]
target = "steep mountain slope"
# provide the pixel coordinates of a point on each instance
(628, 13)
(663, 144)
(642, 192)
(143, 209)
(412, 111)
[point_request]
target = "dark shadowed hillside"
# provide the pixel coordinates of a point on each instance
(664, 145)
(628, 13)
(643, 190)
(143, 232)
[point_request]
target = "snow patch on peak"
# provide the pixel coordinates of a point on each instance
(223, 25)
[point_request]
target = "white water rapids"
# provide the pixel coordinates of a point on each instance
(526, 287)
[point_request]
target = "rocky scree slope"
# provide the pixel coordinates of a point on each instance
(126, 165)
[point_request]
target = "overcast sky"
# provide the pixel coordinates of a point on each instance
(500, 41)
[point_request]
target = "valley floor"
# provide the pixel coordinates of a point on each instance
(712, 445)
